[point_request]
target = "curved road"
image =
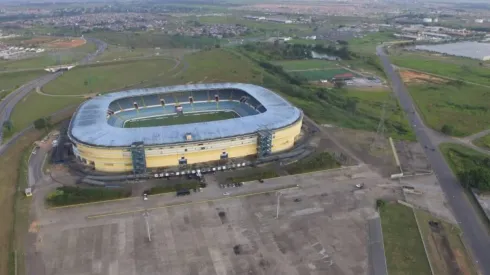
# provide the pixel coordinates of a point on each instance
(9, 102)
(475, 233)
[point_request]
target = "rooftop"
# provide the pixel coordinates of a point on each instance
(89, 124)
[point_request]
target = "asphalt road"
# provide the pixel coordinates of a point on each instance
(377, 259)
(9, 102)
(475, 233)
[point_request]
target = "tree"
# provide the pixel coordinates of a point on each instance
(447, 129)
(339, 83)
(478, 178)
(7, 125)
(42, 123)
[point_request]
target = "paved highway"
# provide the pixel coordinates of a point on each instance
(9, 102)
(475, 233)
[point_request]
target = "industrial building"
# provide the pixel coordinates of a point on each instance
(265, 124)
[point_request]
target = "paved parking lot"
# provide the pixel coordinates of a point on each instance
(322, 229)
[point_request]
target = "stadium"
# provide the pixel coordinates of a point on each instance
(163, 127)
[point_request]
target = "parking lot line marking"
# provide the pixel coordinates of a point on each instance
(186, 203)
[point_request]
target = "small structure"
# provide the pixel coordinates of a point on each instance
(346, 76)
(28, 192)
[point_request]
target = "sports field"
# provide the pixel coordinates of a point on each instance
(315, 75)
(179, 119)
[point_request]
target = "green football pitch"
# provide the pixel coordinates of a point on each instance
(179, 119)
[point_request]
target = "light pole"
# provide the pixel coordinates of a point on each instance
(278, 194)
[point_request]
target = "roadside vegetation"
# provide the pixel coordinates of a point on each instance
(446, 250)
(169, 188)
(69, 195)
(258, 173)
(483, 142)
(471, 167)
(404, 250)
(316, 162)
(454, 108)
(13, 80)
(14, 205)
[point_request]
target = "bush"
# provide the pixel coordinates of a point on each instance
(478, 178)
(168, 188)
(264, 174)
(447, 129)
(321, 161)
(380, 203)
(68, 195)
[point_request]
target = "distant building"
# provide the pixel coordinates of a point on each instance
(479, 21)
(346, 76)
(427, 20)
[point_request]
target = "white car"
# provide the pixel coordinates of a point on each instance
(226, 193)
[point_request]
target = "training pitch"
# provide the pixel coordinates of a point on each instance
(179, 119)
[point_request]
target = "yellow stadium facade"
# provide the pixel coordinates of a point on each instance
(118, 159)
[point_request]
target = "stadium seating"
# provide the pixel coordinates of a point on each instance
(152, 100)
(200, 96)
(237, 94)
(229, 100)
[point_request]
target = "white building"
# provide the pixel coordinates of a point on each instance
(479, 21)
(427, 20)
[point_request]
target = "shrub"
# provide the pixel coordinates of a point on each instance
(321, 161)
(168, 188)
(380, 203)
(69, 195)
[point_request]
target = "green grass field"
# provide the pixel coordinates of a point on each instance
(404, 249)
(317, 75)
(367, 44)
(306, 64)
(180, 119)
(102, 78)
(457, 68)
(437, 250)
(12, 81)
(483, 142)
(462, 106)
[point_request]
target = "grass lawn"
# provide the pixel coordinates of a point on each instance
(35, 106)
(368, 43)
(50, 58)
(317, 75)
(14, 218)
(180, 119)
(444, 246)
(483, 142)
(11, 81)
(462, 106)
(69, 195)
(456, 68)
(103, 78)
(306, 64)
(404, 249)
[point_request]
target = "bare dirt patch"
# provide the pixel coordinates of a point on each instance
(416, 77)
(67, 44)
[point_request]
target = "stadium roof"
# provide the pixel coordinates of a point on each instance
(89, 124)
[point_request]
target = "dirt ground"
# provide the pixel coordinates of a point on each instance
(38, 40)
(378, 156)
(66, 44)
(416, 77)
